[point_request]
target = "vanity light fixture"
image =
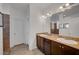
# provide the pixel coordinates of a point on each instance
(66, 25)
(64, 15)
(64, 7)
(43, 17)
(67, 4)
(60, 7)
(48, 14)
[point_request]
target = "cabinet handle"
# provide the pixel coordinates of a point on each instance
(62, 47)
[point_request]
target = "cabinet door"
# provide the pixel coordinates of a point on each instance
(40, 43)
(37, 37)
(47, 46)
(55, 48)
(66, 50)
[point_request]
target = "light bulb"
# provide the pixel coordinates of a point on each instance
(67, 4)
(64, 15)
(48, 14)
(43, 16)
(60, 7)
(67, 25)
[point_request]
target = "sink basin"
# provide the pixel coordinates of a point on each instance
(63, 40)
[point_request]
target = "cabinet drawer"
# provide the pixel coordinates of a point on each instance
(66, 50)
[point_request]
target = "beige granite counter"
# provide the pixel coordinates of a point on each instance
(55, 36)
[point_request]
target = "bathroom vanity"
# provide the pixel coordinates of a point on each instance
(55, 45)
(64, 23)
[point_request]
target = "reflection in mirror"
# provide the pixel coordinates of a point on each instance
(60, 26)
(66, 23)
(70, 20)
(1, 20)
(55, 24)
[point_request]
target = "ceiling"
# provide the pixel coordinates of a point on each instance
(42, 7)
(19, 6)
(46, 7)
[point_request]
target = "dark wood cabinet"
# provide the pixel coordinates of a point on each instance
(43, 45)
(55, 48)
(40, 43)
(66, 50)
(47, 46)
(50, 47)
(61, 49)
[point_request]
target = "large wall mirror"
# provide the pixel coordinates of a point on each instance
(67, 21)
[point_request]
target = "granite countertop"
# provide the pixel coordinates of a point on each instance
(55, 36)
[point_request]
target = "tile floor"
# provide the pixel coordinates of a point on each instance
(23, 50)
